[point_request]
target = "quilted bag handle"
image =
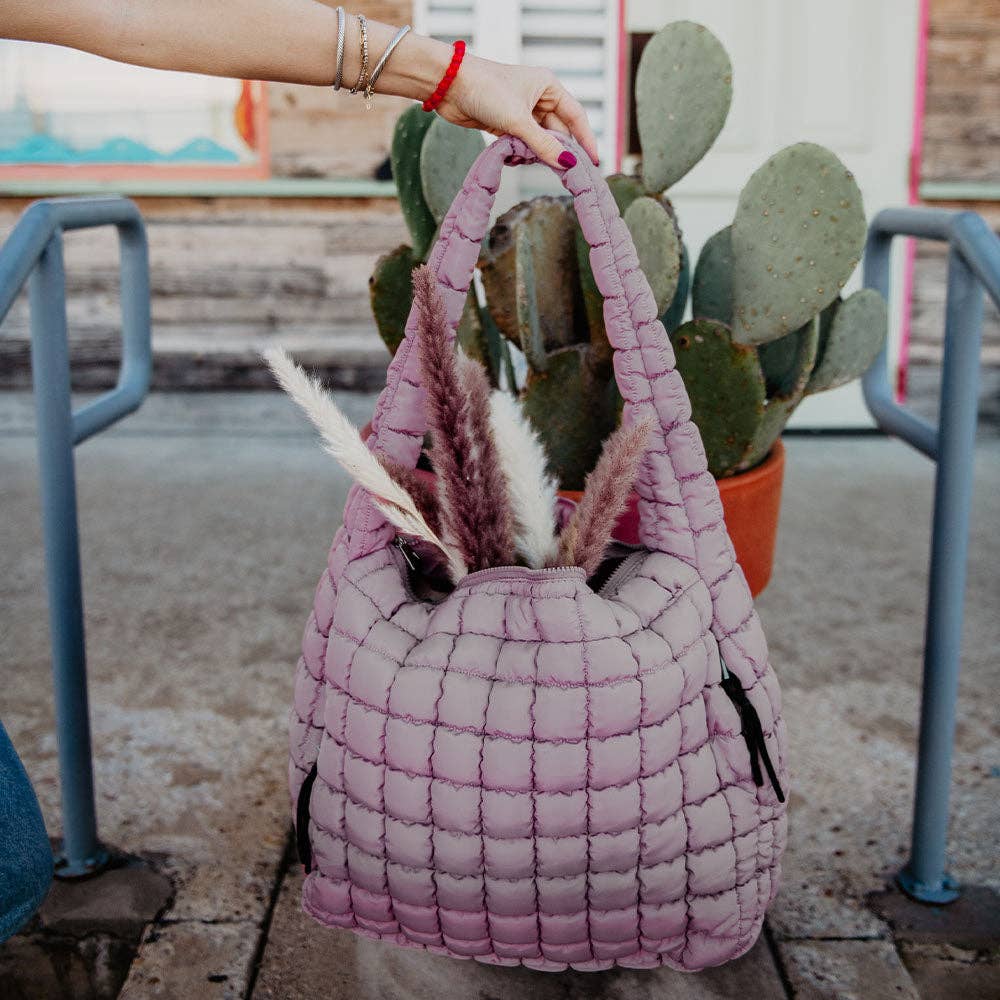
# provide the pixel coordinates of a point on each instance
(680, 511)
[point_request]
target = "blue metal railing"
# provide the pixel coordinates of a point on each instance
(973, 265)
(33, 254)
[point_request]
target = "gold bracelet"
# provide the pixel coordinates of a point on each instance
(362, 76)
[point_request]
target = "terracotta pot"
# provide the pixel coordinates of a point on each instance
(751, 502)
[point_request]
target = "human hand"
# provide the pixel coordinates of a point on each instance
(522, 100)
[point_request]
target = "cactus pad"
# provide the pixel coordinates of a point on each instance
(526, 309)
(683, 90)
(573, 411)
(674, 314)
(786, 364)
(391, 291)
(850, 340)
(788, 361)
(797, 236)
(726, 387)
(407, 138)
(712, 288)
(654, 234)
(625, 189)
(472, 338)
(544, 226)
(447, 153)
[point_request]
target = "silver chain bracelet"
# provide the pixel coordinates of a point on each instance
(341, 26)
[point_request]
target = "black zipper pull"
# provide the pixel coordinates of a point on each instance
(752, 731)
(302, 844)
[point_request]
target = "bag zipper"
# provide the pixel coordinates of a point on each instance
(302, 844)
(752, 732)
(627, 569)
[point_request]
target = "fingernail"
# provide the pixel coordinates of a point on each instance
(567, 159)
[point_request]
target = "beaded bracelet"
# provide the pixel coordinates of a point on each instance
(446, 81)
(363, 25)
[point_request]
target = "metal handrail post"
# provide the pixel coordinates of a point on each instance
(973, 264)
(33, 254)
(81, 852)
(925, 874)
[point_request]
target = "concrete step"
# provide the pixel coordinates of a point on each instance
(225, 281)
(214, 357)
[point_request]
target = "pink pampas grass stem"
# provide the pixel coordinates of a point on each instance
(586, 536)
(473, 503)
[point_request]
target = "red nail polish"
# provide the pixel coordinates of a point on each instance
(567, 159)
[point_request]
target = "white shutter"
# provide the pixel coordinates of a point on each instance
(446, 20)
(577, 39)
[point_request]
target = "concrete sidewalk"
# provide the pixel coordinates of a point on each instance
(205, 521)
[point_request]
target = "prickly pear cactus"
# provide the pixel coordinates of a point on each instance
(769, 325)
(391, 290)
(786, 364)
(574, 409)
(407, 140)
(447, 153)
(683, 89)
(625, 189)
(674, 314)
(533, 290)
(658, 246)
(849, 340)
(544, 227)
(741, 396)
(726, 386)
(798, 234)
(712, 288)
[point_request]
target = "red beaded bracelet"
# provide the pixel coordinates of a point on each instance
(446, 81)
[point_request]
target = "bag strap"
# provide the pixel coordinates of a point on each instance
(679, 507)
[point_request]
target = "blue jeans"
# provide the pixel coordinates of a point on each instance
(25, 855)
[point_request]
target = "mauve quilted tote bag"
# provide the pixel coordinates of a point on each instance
(528, 771)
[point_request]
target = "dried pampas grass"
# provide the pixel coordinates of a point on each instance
(423, 493)
(586, 536)
(342, 440)
(532, 489)
(472, 492)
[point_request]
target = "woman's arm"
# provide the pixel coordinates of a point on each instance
(295, 41)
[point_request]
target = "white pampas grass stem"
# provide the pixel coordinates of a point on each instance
(342, 440)
(532, 489)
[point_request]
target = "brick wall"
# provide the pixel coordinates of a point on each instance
(961, 144)
(962, 121)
